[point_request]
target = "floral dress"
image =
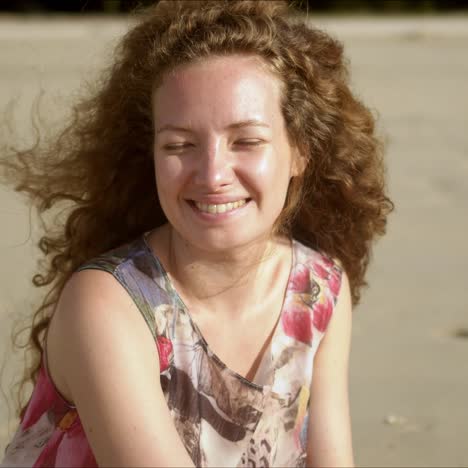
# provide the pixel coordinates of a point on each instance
(222, 418)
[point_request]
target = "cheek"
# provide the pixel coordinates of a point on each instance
(259, 168)
(263, 167)
(268, 171)
(170, 173)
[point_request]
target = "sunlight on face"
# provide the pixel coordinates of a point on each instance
(222, 156)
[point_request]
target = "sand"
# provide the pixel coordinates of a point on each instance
(409, 360)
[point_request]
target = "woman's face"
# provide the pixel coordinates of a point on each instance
(222, 157)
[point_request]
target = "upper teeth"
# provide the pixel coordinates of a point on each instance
(222, 208)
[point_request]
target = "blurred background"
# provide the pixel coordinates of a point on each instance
(409, 64)
(335, 6)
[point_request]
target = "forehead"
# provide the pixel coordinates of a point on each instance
(219, 89)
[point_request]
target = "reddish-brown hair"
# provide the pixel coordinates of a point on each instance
(101, 165)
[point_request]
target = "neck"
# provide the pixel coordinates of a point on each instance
(227, 283)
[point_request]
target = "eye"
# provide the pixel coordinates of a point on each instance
(248, 142)
(177, 146)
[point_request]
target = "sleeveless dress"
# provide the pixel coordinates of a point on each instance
(222, 418)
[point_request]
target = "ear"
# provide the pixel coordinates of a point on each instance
(299, 163)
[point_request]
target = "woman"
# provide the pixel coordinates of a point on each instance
(226, 187)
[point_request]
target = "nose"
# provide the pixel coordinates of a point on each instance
(214, 169)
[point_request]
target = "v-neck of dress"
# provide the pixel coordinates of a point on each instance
(276, 331)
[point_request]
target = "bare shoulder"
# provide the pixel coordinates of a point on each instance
(335, 345)
(91, 305)
(91, 302)
(103, 352)
(329, 433)
(83, 295)
(91, 287)
(340, 321)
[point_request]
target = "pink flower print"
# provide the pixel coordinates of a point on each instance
(320, 271)
(68, 446)
(335, 283)
(300, 279)
(49, 452)
(67, 420)
(296, 321)
(165, 350)
(42, 399)
(322, 313)
(327, 262)
(74, 449)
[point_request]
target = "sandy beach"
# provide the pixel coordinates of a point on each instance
(409, 360)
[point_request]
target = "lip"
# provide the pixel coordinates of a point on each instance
(218, 199)
(218, 217)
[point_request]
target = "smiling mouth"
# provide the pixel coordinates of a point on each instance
(219, 208)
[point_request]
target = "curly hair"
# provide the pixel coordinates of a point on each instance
(101, 164)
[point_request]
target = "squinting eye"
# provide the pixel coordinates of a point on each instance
(177, 146)
(248, 142)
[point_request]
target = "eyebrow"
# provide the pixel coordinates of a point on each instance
(235, 125)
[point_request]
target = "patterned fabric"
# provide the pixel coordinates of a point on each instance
(222, 418)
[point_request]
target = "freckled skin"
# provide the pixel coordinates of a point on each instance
(206, 98)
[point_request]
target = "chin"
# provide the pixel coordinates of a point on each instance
(218, 242)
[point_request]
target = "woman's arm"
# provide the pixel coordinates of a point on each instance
(329, 432)
(107, 359)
